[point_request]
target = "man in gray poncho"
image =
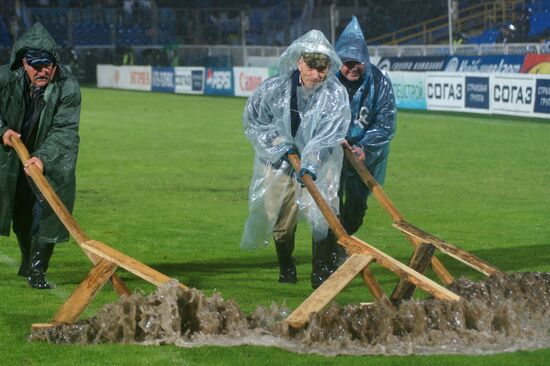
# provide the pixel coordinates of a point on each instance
(303, 109)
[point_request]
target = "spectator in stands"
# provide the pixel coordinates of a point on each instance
(373, 121)
(302, 110)
(507, 34)
(48, 126)
(70, 56)
(172, 55)
(128, 57)
(128, 6)
(523, 22)
(458, 39)
(14, 27)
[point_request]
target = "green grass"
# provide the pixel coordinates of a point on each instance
(164, 179)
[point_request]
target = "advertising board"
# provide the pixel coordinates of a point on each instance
(542, 97)
(219, 81)
(409, 89)
(445, 91)
(536, 64)
(477, 93)
(485, 64)
(414, 63)
(163, 79)
(512, 94)
(247, 79)
(189, 80)
(124, 77)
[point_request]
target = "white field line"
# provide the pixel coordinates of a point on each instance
(14, 264)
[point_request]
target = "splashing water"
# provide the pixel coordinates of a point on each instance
(498, 314)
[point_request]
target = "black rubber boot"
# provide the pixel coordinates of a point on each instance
(25, 241)
(40, 260)
(323, 261)
(341, 255)
(287, 264)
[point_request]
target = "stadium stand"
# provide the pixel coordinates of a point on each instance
(530, 23)
(539, 18)
(153, 22)
(212, 33)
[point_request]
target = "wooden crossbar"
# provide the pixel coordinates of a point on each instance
(449, 249)
(128, 263)
(85, 292)
(419, 261)
(329, 289)
(105, 259)
(444, 275)
(373, 285)
(417, 235)
(354, 246)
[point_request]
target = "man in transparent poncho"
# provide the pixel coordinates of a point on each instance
(371, 129)
(303, 109)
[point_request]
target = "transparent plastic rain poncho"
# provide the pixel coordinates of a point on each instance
(324, 123)
(372, 106)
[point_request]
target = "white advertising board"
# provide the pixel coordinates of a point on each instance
(510, 94)
(513, 94)
(247, 79)
(105, 76)
(445, 91)
(124, 77)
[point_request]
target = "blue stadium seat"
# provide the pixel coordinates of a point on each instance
(540, 17)
(488, 36)
(5, 37)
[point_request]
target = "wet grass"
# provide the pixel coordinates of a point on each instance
(164, 179)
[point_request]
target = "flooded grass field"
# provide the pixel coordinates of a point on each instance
(498, 314)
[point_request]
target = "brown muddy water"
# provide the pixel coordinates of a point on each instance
(497, 314)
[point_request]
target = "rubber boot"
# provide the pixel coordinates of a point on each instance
(287, 264)
(341, 255)
(25, 241)
(323, 261)
(40, 260)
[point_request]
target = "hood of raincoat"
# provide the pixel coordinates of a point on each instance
(312, 41)
(351, 45)
(36, 37)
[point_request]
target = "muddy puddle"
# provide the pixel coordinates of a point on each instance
(497, 314)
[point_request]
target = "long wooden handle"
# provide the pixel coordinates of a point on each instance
(331, 218)
(375, 188)
(61, 211)
(356, 246)
(47, 191)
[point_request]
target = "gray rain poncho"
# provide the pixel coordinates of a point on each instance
(267, 124)
(372, 105)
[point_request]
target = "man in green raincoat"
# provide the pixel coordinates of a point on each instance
(40, 103)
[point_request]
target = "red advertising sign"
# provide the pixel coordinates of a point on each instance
(536, 64)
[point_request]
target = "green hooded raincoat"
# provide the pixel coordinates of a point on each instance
(57, 133)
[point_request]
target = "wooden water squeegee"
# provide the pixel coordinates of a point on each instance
(106, 260)
(362, 254)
